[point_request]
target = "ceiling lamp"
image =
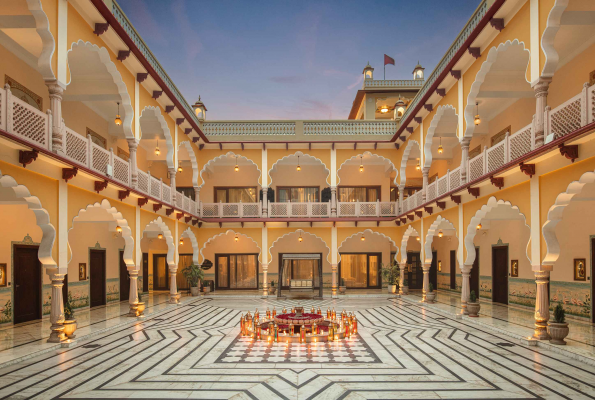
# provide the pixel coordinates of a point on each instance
(119, 229)
(160, 236)
(237, 167)
(418, 165)
(418, 238)
(363, 238)
(118, 120)
(440, 234)
(440, 149)
(157, 151)
(180, 167)
(361, 164)
(298, 168)
(479, 226)
(181, 241)
(236, 238)
(384, 109)
(300, 239)
(477, 120)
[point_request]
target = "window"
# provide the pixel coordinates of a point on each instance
(360, 270)
(97, 138)
(236, 271)
(187, 191)
(298, 194)
(394, 193)
(24, 94)
(235, 194)
(184, 261)
(358, 193)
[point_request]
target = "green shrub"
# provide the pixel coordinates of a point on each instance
(342, 281)
(431, 287)
(272, 283)
(472, 297)
(559, 314)
(68, 310)
(391, 273)
(193, 273)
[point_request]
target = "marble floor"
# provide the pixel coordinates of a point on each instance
(403, 351)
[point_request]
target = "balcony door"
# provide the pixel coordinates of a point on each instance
(360, 270)
(236, 271)
(415, 274)
(347, 194)
(296, 194)
(160, 272)
(236, 194)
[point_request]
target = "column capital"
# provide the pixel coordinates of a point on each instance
(465, 142)
(541, 86)
(132, 144)
(425, 171)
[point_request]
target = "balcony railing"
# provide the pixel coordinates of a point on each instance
(231, 210)
(299, 210)
(394, 83)
(34, 127)
(367, 209)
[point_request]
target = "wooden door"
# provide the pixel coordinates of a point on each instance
(453, 269)
(434, 270)
(415, 272)
(474, 278)
(97, 278)
(27, 284)
(124, 279)
(590, 277)
(160, 272)
(145, 272)
(65, 288)
(500, 274)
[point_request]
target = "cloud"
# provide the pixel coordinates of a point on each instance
(192, 44)
(358, 82)
(289, 79)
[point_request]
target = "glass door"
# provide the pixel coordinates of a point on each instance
(307, 268)
(236, 271)
(415, 273)
(161, 272)
(360, 270)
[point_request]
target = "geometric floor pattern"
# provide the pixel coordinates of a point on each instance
(413, 353)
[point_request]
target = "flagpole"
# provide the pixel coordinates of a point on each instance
(385, 71)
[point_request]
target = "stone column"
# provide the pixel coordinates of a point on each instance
(401, 195)
(57, 310)
(466, 272)
(464, 159)
(265, 284)
(133, 296)
(173, 286)
(424, 194)
(426, 283)
(541, 90)
(58, 139)
(196, 194)
(265, 202)
(542, 305)
(334, 286)
(172, 180)
(132, 146)
(333, 201)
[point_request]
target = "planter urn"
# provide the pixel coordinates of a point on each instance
(272, 290)
(405, 289)
(430, 297)
(195, 291)
(70, 328)
(140, 308)
(558, 332)
(392, 289)
(473, 309)
(342, 289)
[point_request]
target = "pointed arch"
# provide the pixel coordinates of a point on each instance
(105, 59)
(553, 24)
(439, 224)
(445, 114)
(303, 233)
(229, 232)
(193, 161)
(409, 232)
(104, 212)
(48, 44)
(157, 225)
(155, 112)
(229, 154)
(483, 214)
(493, 55)
(188, 233)
(300, 154)
(389, 164)
(368, 232)
(410, 146)
(13, 193)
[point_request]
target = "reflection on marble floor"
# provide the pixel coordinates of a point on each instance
(418, 352)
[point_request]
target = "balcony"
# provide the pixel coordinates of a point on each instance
(35, 128)
(393, 83)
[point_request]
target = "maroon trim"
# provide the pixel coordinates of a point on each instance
(498, 182)
(69, 173)
(180, 121)
(122, 194)
(26, 157)
(142, 201)
(428, 107)
(417, 120)
(187, 131)
(289, 220)
(570, 152)
(428, 210)
(497, 23)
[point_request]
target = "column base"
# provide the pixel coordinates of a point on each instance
(265, 294)
(541, 331)
(68, 343)
(57, 334)
(174, 298)
(464, 308)
(132, 310)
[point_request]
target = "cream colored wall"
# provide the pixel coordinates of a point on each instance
(443, 246)
(78, 117)
(152, 246)
(373, 175)
(159, 170)
(206, 155)
(372, 244)
(569, 79)
(287, 175)
(248, 175)
(290, 244)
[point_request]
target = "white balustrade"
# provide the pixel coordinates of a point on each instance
(350, 127)
(521, 142)
(570, 115)
(25, 121)
(431, 191)
(143, 182)
(231, 210)
(232, 128)
(166, 193)
(454, 179)
(405, 83)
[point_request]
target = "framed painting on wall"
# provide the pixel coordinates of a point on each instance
(514, 268)
(580, 269)
(82, 271)
(3, 274)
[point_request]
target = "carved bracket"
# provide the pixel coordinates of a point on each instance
(69, 173)
(409, 129)
(122, 194)
(428, 107)
(195, 139)
(169, 109)
(411, 217)
(527, 169)
(475, 52)
(200, 224)
(498, 182)
(157, 207)
(187, 219)
(441, 92)
(100, 185)
(26, 157)
(473, 191)
(455, 74)
(201, 146)
(179, 121)
(179, 216)
(456, 199)
(141, 76)
(497, 23)
(143, 201)
(169, 211)
(123, 55)
(417, 120)
(428, 210)
(570, 152)
(187, 131)
(398, 222)
(100, 28)
(419, 214)
(157, 94)
(403, 220)
(441, 205)
(403, 138)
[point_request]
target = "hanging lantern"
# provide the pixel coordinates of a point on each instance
(479, 226)
(157, 152)
(180, 167)
(440, 234)
(440, 149)
(361, 165)
(300, 239)
(236, 168)
(384, 109)
(236, 238)
(477, 120)
(418, 165)
(119, 229)
(160, 236)
(118, 120)
(363, 238)
(181, 241)
(298, 168)
(418, 238)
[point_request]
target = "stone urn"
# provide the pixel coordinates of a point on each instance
(342, 289)
(272, 290)
(405, 289)
(195, 291)
(70, 328)
(206, 289)
(430, 297)
(392, 289)
(473, 309)
(558, 332)
(140, 308)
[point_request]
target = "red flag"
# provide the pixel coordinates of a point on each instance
(388, 60)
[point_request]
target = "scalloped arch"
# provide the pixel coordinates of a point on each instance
(193, 161)
(441, 111)
(409, 232)
(195, 250)
(221, 157)
(120, 221)
(368, 232)
(482, 213)
(42, 219)
(227, 232)
(105, 59)
(157, 225)
(303, 232)
(299, 153)
(554, 18)
(48, 44)
(373, 156)
(469, 114)
(556, 213)
(405, 158)
(436, 225)
(156, 112)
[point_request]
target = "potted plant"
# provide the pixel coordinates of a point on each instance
(405, 287)
(69, 321)
(140, 307)
(558, 329)
(473, 305)
(193, 274)
(431, 295)
(342, 288)
(272, 288)
(390, 274)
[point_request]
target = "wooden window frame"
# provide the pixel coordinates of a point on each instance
(377, 187)
(378, 278)
(227, 255)
(278, 188)
(226, 188)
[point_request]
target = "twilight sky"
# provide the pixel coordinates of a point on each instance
(291, 59)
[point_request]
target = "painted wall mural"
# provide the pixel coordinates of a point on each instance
(80, 293)
(113, 290)
(485, 287)
(6, 303)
